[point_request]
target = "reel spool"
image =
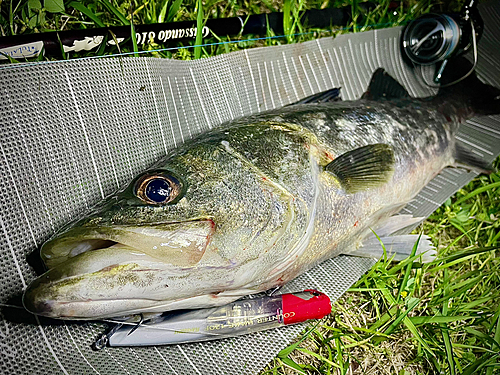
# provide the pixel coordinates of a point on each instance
(436, 38)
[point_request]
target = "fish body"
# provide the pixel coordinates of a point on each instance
(247, 207)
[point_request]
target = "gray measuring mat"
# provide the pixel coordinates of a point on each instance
(75, 131)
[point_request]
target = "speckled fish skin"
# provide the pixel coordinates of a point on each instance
(258, 208)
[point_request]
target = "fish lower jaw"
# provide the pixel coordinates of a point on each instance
(88, 310)
(115, 308)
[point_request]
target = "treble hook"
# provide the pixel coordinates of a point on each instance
(103, 339)
(137, 325)
(272, 291)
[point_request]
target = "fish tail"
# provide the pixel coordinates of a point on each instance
(466, 98)
(469, 94)
(464, 158)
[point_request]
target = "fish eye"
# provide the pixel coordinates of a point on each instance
(157, 189)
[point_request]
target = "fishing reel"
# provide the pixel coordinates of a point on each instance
(436, 38)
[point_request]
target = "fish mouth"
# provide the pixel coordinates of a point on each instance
(179, 243)
(115, 271)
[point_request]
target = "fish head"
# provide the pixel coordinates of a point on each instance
(176, 237)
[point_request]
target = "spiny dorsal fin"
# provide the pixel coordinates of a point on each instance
(383, 86)
(363, 168)
(328, 96)
(464, 158)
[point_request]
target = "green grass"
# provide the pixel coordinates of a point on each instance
(406, 318)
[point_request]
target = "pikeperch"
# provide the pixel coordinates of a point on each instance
(256, 202)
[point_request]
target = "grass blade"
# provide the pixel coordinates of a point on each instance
(464, 287)
(444, 328)
(462, 255)
(286, 351)
(319, 356)
(63, 54)
(291, 363)
(408, 269)
(287, 18)
(340, 356)
(199, 29)
(484, 361)
(418, 320)
(83, 9)
(102, 47)
(477, 302)
(494, 239)
(411, 327)
(163, 12)
(11, 59)
(134, 39)
(12, 12)
(417, 335)
(384, 319)
(174, 9)
(480, 190)
(412, 304)
(496, 338)
(116, 12)
(459, 258)
(482, 336)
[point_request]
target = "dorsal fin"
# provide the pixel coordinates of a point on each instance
(383, 87)
(327, 96)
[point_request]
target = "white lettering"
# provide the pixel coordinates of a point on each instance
(151, 37)
(164, 35)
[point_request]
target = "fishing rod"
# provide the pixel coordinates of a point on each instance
(56, 42)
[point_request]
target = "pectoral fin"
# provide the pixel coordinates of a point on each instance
(363, 168)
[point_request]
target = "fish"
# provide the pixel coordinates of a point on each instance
(251, 205)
